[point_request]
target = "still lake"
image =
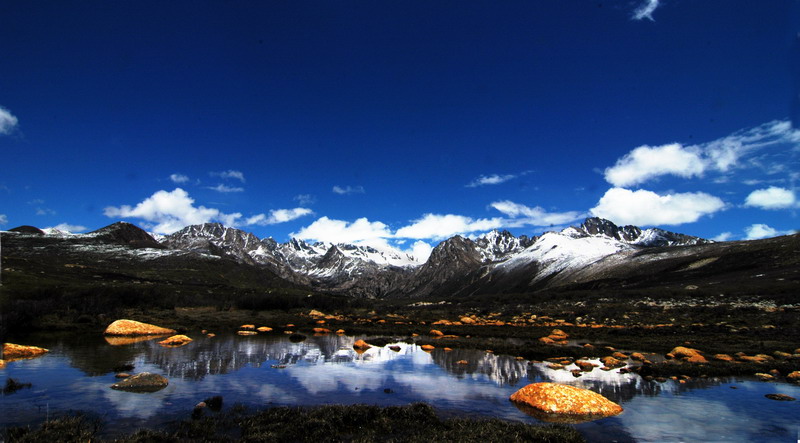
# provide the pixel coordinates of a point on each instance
(270, 370)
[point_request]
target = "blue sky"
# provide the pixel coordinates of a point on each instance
(401, 123)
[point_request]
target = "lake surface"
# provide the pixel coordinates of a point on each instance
(267, 370)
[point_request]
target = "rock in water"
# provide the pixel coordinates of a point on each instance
(175, 341)
(557, 403)
(13, 352)
(688, 354)
(132, 327)
(143, 382)
(780, 397)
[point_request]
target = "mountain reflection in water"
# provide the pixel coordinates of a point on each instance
(271, 370)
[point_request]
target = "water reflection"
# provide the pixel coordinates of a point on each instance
(270, 369)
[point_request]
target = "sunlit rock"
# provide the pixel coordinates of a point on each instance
(428, 347)
(361, 344)
(322, 331)
(724, 357)
(436, 332)
(14, 352)
(175, 341)
(794, 377)
(553, 402)
(780, 397)
(143, 382)
(264, 329)
(252, 332)
(2, 364)
(121, 340)
(247, 327)
(133, 327)
(688, 355)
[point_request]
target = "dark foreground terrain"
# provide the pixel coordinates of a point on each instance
(358, 423)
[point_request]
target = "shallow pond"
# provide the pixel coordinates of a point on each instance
(268, 370)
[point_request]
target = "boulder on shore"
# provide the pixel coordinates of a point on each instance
(13, 352)
(133, 327)
(361, 344)
(688, 355)
(557, 403)
(143, 382)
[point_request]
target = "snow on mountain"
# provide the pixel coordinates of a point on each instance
(556, 252)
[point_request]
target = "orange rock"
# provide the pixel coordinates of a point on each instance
(247, 327)
(290, 325)
(638, 356)
(321, 331)
(619, 356)
(585, 365)
(723, 357)
(448, 349)
(340, 331)
(436, 332)
(688, 354)
(2, 364)
(462, 362)
(12, 351)
(175, 341)
(547, 341)
(466, 320)
(264, 329)
(133, 327)
(611, 362)
(558, 334)
(247, 332)
(320, 322)
(428, 347)
(120, 340)
(211, 335)
(361, 344)
(794, 376)
(415, 335)
(553, 402)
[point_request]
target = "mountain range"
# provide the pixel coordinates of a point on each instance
(597, 252)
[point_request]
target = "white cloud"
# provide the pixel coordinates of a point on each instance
(420, 251)
(646, 208)
(45, 211)
(277, 216)
(437, 226)
(3, 219)
(170, 211)
(348, 190)
(645, 10)
(238, 175)
(725, 236)
(179, 178)
(760, 230)
(7, 121)
(305, 199)
(225, 188)
(339, 231)
(493, 179)
(68, 227)
(646, 162)
(771, 198)
(536, 216)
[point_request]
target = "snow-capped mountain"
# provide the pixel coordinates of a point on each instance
(454, 264)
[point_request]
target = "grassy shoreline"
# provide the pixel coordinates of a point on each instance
(417, 422)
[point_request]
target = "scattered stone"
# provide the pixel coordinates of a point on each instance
(133, 327)
(553, 402)
(585, 366)
(462, 362)
(638, 356)
(428, 347)
(448, 349)
(197, 412)
(247, 332)
(688, 355)
(619, 356)
(175, 341)
(576, 373)
(361, 344)
(779, 354)
(322, 331)
(395, 348)
(340, 332)
(122, 375)
(247, 327)
(611, 362)
(436, 332)
(794, 377)
(211, 335)
(13, 352)
(2, 364)
(780, 397)
(547, 341)
(142, 382)
(555, 366)
(264, 329)
(765, 377)
(466, 320)
(724, 357)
